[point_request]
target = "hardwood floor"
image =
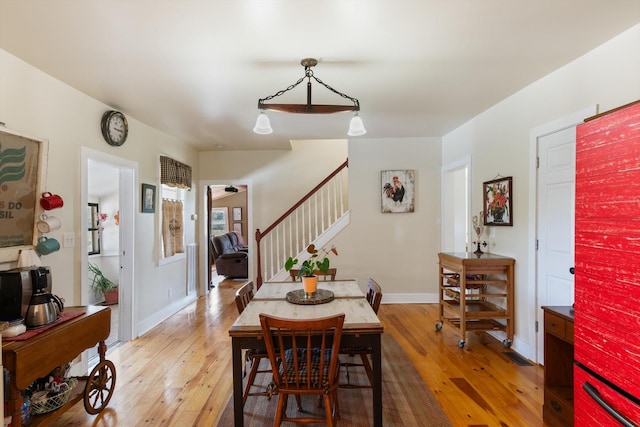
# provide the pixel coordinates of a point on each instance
(179, 373)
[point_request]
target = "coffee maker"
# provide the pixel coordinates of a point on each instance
(44, 307)
(16, 288)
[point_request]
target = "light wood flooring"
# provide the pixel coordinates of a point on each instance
(179, 373)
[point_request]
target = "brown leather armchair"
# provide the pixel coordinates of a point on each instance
(231, 258)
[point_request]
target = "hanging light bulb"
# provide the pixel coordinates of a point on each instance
(263, 125)
(356, 127)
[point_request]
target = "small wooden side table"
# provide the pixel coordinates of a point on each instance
(36, 357)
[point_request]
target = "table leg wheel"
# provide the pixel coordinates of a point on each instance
(438, 326)
(461, 343)
(506, 343)
(99, 388)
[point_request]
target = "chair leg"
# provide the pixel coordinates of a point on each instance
(299, 402)
(252, 376)
(328, 409)
(367, 367)
(280, 412)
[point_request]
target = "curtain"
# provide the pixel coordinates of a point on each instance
(172, 227)
(174, 173)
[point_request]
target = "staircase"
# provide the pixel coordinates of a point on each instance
(317, 218)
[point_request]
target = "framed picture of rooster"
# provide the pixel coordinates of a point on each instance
(398, 191)
(497, 196)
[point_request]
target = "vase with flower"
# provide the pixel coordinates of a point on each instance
(317, 262)
(479, 229)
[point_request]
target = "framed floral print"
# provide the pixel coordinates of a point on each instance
(497, 196)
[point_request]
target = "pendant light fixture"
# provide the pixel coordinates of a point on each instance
(263, 126)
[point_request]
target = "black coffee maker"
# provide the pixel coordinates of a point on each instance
(44, 307)
(16, 288)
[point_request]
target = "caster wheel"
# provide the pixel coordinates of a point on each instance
(99, 389)
(506, 343)
(461, 343)
(438, 326)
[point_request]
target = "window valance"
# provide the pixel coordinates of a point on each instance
(174, 173)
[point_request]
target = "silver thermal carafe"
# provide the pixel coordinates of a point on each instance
(44, 307)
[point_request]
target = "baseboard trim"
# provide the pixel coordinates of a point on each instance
(410, 298)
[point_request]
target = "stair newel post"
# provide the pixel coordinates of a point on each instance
(258, 239)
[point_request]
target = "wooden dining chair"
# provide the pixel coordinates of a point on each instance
(330, 276)
(374, 297)
(244, 295)
(304, 361)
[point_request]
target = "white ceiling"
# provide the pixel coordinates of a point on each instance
(195, 69)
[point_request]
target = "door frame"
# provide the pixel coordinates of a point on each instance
(128, 194)
(203, 288)
(531, 350)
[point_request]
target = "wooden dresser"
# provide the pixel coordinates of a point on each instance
(558, 366)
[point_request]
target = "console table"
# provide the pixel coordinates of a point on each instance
(476, 293)
(37, 356)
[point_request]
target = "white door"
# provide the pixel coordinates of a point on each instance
(556, 215)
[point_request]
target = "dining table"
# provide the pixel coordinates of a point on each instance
(361, 328)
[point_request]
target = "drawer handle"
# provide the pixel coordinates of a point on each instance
(595, 395)
(556, 406)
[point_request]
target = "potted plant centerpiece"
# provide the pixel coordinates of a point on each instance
(309, 267)
(101, 285)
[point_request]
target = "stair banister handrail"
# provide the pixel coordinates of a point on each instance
(260, 235)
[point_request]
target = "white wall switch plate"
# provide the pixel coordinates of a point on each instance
(68, 240)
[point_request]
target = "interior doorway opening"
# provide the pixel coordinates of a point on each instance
(456, 206)
(227, 213)
(109, 188)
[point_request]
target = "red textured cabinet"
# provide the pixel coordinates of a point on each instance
(607, 270)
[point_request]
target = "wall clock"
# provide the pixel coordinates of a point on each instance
(114, 128)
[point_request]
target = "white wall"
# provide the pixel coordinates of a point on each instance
(40, 106)
(398, 250)
(498, 141)
(395, 249)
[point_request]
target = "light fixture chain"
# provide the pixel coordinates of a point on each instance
(354, 100)
(283, 90)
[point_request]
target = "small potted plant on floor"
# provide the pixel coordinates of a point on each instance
(101, 285)
(310, 266)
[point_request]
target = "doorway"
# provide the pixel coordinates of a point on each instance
(109, 182)
(554, 146)
(213, 195)
(456, 206)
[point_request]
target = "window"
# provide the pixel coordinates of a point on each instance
(93, 229)
(172, 221)
(175, 179)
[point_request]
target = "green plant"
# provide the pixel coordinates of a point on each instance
(313, 263)
(100, 283)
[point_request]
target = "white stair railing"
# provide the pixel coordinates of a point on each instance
(316, 218)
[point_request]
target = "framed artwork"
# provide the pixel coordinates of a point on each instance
(22, 173)
(219, 221)
(497, 196)
(237, 214)
(398, 191)
(148, 202)
(237, 227)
